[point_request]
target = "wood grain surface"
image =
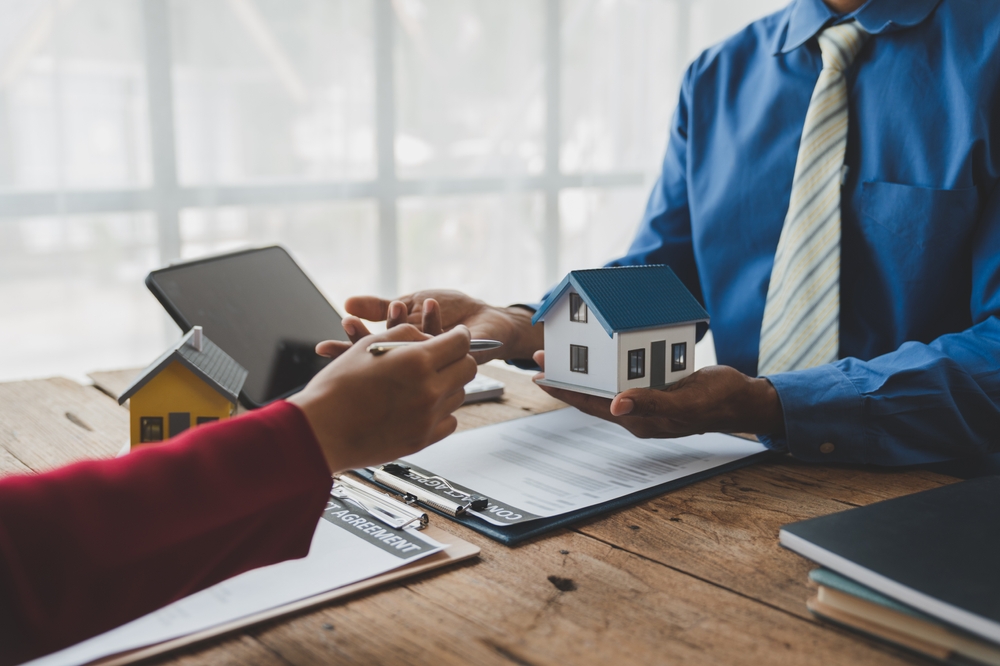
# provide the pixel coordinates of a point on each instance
(46, 423)
(114, 382)
(695, 576)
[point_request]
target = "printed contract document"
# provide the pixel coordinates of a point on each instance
(542, 466)
(349, 545)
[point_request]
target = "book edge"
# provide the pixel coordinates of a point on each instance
(930, 631)
(876, 631)
(940, 609)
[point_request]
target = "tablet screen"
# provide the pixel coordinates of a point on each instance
(260, 308)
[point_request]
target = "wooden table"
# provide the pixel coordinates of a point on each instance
(695, 576)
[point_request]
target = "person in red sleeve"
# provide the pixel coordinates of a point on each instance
(93, 545)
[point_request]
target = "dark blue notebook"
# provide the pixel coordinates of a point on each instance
(514, 534)
(936, 551)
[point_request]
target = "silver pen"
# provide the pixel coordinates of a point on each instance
(378, 348)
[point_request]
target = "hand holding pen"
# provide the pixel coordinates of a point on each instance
(366, 410)
(434, 312)
(430, 324)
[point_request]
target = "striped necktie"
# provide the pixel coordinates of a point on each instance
(802, 313)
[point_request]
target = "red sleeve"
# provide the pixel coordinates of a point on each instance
(91, 546)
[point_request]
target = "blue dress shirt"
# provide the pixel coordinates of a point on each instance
(918, 378)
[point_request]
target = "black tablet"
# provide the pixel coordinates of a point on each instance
(260, 308)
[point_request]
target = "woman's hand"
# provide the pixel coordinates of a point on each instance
(367, 409)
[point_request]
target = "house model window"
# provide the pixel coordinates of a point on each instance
(636, 363)
(678, 357)
(151, 429)
(578, 358)
(577, 309)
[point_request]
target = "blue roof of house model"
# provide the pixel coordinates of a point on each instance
(629, 298)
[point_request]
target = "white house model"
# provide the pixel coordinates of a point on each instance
(612, 329)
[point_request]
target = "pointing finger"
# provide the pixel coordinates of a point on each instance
(355, 328)
(371, 308)
(431, 324)
(332, 348)
(397, 314)
(401, 333)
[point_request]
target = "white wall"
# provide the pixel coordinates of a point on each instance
(642, 340)
(560, 333)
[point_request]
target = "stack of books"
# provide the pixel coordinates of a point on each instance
(847, 603)
(921, 572)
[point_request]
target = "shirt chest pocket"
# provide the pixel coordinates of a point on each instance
(917, 234)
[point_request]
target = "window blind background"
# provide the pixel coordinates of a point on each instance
(390, 145)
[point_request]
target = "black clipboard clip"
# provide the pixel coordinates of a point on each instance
(400, 478)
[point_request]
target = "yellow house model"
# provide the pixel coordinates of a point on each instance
(192, 383)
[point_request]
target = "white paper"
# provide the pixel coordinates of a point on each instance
(554, 463)
(337, 557)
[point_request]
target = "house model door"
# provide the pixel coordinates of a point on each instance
(658, 363)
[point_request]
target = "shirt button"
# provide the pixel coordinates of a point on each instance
(826, 447)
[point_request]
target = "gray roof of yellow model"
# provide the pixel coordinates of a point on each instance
(212, 365)
(630, 298)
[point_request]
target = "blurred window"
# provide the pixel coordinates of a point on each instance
(391, 145)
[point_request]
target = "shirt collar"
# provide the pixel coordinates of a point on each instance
(805, 18)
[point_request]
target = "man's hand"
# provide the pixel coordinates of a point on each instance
(367, 409)
(434, 312)
(715, 399)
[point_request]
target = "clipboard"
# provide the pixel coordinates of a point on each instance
(457, 550)
(393, 513)
(512, 535)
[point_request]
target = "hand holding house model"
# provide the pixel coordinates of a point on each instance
(608, 330)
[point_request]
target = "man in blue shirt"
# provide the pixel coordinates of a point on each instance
(861, 132)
